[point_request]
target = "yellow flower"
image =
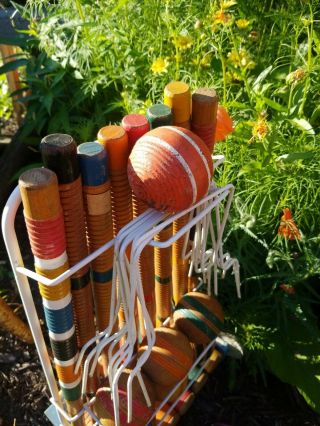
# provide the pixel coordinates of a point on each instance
(241, 59)
(226, 4)
(260, 128)
(205, 61)
(295, 76)
(220, 17)
(183, 41)
(234, 57)
(147, 103)
(233, 77)
(242, 23)
(159, 66)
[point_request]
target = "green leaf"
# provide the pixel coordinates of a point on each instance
(239, 105)
(303, 125)
(274, 105)
(47, 102)
(295, 359)
(260, 78)
(19, 40)
(250, 167)
(294, 156)
(13, 65)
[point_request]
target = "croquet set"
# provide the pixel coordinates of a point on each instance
(119, 231)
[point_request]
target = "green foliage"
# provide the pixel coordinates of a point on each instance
(6, 107)
(88, 63)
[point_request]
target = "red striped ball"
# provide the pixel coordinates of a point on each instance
(170, 168)
(103, 405)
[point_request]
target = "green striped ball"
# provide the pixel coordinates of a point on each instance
(199, 316)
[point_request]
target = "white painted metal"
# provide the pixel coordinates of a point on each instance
(127, 289)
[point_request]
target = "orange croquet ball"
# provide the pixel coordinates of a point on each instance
(224, 124)
(170, 359)
(103, 405)
(199, 316)
(170, 168)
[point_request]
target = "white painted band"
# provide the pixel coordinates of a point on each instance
(70, 385)
(70, 361)
(51, 263)
(59, 337)
(57, 304)
(179, 157)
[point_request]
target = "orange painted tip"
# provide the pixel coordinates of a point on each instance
(40, 194)
(176, 89)
(178, 97)
(115, 140)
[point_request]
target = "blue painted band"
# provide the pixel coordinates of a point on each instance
(102, 277)
(60, 320)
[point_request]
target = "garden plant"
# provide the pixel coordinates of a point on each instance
(85, 64)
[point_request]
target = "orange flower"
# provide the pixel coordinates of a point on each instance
(220, 17)
(224, 124)
(260, 128)
(288, 227)
(286, 288)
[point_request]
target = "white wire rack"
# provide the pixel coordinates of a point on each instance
(208, 217)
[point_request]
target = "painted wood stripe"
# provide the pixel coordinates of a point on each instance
(179, 157)
(59, 337)
(202, 319)
(163, 280)
(102, 277)
(59, 321)
(198, 306)
(67, 363)
(57, 304)
(66, 349)
(195, 146)
(51, 263)
(70, 385)
(71, 394)
(197, 322)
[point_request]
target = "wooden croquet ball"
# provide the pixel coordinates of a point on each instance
(103, 405)
(170, 359)
(199, 316)
(163, 391)
(170, 168)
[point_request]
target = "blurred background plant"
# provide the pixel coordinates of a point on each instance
(86, 64)
(6, 107)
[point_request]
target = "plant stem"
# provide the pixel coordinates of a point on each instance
(309, 62)
(224, 75)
